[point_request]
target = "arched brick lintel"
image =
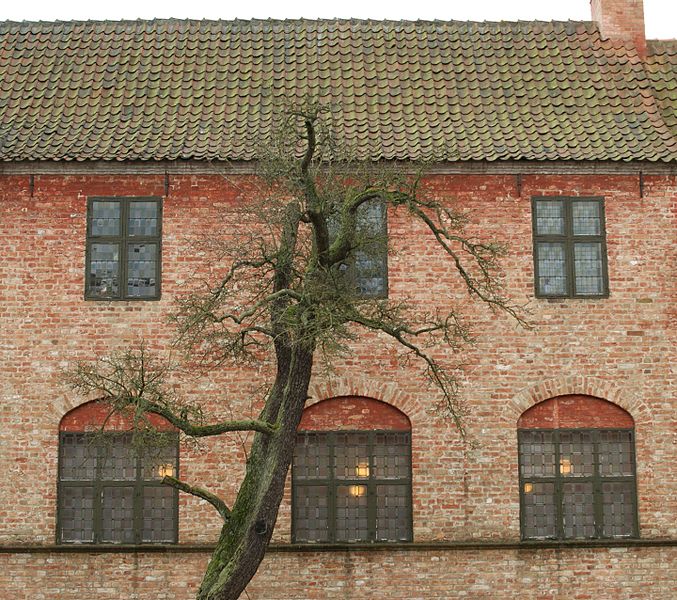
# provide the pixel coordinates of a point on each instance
(578, 385)
(95, 414)
(353, 412)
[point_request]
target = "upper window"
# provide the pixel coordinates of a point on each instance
(577, 470)
(352, 486)
(569, 247)
(123, 248)
(109, 490)
(367, 269)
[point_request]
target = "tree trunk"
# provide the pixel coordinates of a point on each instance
(244, 538)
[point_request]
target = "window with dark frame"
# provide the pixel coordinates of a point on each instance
(367, 269)
(352, 486)
(570, 259)
(110, 492)
(123, 248)
(577, 483)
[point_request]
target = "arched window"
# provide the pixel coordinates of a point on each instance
(577, 470)
(351, 474)
(110, 491)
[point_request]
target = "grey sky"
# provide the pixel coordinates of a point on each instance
(660, 15)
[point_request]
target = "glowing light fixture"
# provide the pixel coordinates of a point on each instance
(358, 490)
(565, 466)
(165, 470)
(362, 470)
(528, 488)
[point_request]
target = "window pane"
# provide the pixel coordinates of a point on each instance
(117, 515)
(578, 510)
(78, 457)
(351, 455)
(588, 268)
(351, 513)
(618, 507)
(586, 217)
(143, 218)
(118, 462)
(391, 456)
(141, 270)
(77, 514)
(392, 513)
(311, 513)
(551, 268)
(105, 218)
(311, 456)
(616, 453)
(539, 512)
(576, 454)
(537, 453)
(158, 514)
(550, 217)
(160, 460)
(103, 273)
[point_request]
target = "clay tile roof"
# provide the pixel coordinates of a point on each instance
(442, 91)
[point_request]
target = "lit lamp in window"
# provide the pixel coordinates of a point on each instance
(565, 466)
(362, 470)
(528, 488)
(358, 491)
(166, 470)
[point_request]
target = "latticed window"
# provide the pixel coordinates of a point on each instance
(570, 247)
(577, 483)
(367, 269)
(352, 486)
(111, 492)
(123, 248)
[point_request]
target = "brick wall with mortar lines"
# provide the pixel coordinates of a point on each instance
(619, 348)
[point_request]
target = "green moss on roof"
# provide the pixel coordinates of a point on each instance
(424, 90)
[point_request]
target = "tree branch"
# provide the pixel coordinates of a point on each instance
(213, 499)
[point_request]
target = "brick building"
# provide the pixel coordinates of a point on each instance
(119, 140)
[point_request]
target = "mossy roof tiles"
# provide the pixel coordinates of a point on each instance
(442, 91)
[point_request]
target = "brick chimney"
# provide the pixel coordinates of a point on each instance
(621, 20)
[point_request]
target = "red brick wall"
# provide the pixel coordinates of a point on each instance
(94, 415)
(621, 20)
(620, 349)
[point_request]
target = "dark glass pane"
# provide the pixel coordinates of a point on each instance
(578, 510)
(159, 524)
(104, 218)
(618, 507)
(577, 458)
(370, 261)
(311, 456)
(588, 268)
(142, 219)
(391, 456)
(311, 513)
(538, 511)
(616, 453)
(118, 462)
(551, 261)
(392, 513)
(550, 217)
(537, 453)
(351, 513)
(586, 217)
(117, 515)
(141, 270)
(160, 460)
(351, 456)
(103, 272)
(78, 457)
(76, 514)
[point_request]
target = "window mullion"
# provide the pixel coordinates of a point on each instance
(569, 249)
(559, 494)
(332, 488)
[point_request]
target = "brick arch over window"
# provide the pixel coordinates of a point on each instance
(577, 472)
(92, 416)
(353, 413)
(351, 475)
(110, 491)
(575, 411)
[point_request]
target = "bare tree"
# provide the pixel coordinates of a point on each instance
(285, 292)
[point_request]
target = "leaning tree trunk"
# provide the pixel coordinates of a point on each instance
(245, 536)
